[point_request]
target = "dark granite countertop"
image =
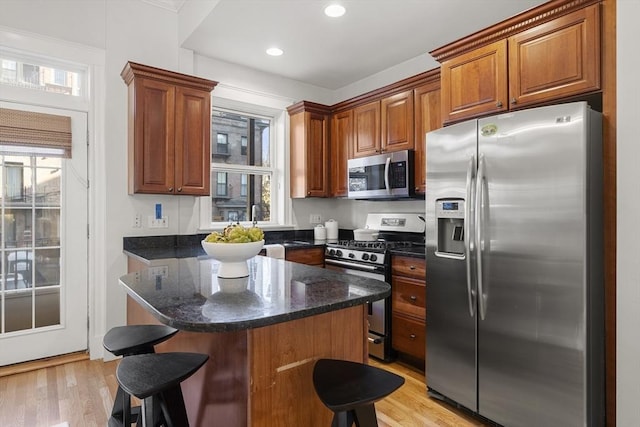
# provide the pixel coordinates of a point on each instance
(187, 294)
(149, 248)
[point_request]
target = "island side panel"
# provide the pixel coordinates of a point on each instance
(282, 357)
(220, 389)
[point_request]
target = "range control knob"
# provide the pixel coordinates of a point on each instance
(332, 251)
(373, 257)
(338, 253)
(352, 255)
(365, 257)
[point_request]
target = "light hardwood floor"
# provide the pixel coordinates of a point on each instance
(80, 394)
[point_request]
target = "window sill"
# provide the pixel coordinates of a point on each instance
(264, 226)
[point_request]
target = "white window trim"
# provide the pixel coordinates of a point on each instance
(281, 202)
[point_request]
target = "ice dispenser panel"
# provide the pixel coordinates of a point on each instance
(450, 227)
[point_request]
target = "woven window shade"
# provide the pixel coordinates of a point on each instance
(34, 133)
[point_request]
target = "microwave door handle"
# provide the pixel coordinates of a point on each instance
(387, 166)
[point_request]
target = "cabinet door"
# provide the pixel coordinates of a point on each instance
(152, 145)
(557, 59)
(341, 141)
(427, 118)
(475, 83)
(366, 125)
(396, 112)
(313, 256)
(193, 148)
(409, 297)
(317, 155)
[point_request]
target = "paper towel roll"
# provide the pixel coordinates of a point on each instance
(332, 229)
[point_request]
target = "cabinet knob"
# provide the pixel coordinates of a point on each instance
(170, 189)
(514, 101)
(308, 193)
(412, 336)
(179, 189)
(412, 267)
(499, 104)
(413, 298)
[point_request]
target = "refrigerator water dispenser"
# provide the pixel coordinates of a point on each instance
(450, 227)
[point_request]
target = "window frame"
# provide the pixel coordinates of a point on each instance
(280, 205)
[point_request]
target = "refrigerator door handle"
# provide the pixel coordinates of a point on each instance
(468, 233)
(479, 225)
(386, 174)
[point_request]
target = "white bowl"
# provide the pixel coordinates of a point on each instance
(232, 256)
(366, 234)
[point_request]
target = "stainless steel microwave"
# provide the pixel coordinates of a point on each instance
(382, 176)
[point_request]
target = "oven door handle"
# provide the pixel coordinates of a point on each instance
(348, 264)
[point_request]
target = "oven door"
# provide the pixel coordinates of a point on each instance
(379, 339)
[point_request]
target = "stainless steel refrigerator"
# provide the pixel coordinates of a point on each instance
(514, 266)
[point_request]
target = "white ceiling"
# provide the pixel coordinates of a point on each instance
(331, 53)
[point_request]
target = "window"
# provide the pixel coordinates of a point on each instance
(44, 74)
(221, 187)
(247, 168)
(243, 145)
(243, 185)
(223, 144)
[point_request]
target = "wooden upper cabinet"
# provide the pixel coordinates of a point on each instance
(427, 118)
(366, 129)
(169, 131)
(396, 112)
(341, 144)
(545, 54)
(557, 59)
(475, 83)
(309, 150)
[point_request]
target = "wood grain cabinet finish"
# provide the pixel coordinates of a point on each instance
(408, 306)
(169, 131)
(427, 118)
(557, 59)
(475, 83)
(309, 256)
(533, 59)
(309, 150)
(341, 145)
(366, 125)
(396, 114)
(384, 126)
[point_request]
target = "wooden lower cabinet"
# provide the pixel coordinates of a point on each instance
(309, 256)
(408, 306)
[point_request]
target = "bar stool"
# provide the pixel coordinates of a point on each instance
(130, 340)
(155, 379)
(350, 390)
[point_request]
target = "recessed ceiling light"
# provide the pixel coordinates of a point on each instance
(334, 10)
(274, 51)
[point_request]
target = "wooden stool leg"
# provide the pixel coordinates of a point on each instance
(366, 416)
(173, 407)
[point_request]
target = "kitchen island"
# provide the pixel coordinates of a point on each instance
(263, 333)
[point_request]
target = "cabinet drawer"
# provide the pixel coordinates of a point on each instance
(408, 297)
(409, 266)
(311, 256)
(409, 336)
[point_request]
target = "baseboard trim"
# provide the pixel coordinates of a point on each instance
(48, 362)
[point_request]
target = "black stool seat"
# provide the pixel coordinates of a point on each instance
(127, 341)
(156, 379)
(350, 390)
(136, 339)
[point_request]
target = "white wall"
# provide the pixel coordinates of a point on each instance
(628, 176)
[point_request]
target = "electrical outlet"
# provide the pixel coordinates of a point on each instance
(137, 221)
(315, 219)
(158, 271)
(158, 223)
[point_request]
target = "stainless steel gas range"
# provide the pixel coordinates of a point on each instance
(373, 259)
